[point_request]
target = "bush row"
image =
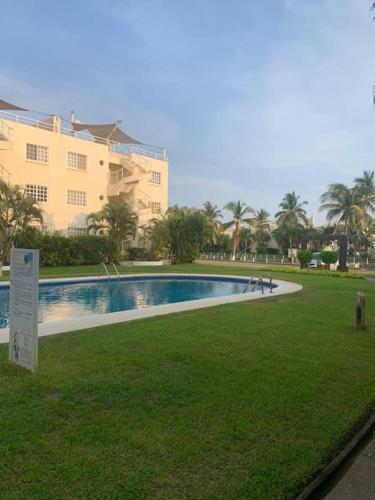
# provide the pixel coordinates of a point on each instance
(58, 250)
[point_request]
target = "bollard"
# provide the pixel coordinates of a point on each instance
(360, 310)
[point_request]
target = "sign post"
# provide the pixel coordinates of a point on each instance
(23, 318)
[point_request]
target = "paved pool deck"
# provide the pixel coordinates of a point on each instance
(82, 323)
(358, 482)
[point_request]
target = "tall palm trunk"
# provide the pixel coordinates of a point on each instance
(291, 247)
(236, 238)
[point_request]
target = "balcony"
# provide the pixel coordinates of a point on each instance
(4, 174)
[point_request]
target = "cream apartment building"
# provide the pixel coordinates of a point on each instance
(72, 169)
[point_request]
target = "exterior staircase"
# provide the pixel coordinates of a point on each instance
(4, 174)
(5, 136)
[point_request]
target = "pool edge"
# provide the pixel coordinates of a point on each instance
(95, 320)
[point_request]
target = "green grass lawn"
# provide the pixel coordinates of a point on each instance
(245, 400)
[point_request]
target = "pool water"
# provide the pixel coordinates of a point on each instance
(59, 301)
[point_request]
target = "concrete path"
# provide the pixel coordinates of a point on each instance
(358, 482)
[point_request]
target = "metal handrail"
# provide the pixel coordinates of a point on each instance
(115, 268)
(258, 281)
(269, 276)
(106, 270)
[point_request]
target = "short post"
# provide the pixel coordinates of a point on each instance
(360, 311)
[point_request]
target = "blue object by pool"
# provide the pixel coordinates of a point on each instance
(59, 301)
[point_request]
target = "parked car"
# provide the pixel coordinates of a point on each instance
(316, 261)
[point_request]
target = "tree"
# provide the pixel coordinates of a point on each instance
(158, 234)
(343, 206)
(365, 187)
(286, 237)
(117, 220)
(261, 227)
(329, 257)
(189, 231)
(292, 216)
(238, 211)
(17, 213)
(213, 214)
(304, 257)
(183, 233)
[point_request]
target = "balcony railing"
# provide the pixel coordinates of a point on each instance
(4, 174)
(119, 175)
(155, 152)
(4, 131)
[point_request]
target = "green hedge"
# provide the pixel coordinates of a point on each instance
(304, 257)
(58, 250)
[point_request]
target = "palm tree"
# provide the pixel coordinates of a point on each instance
(343, 206)
(238, 210)
(117, 220)
(17, 212)
(365, 187)
(261, 227)
(292, 215)
(213, 214)
(182, 232)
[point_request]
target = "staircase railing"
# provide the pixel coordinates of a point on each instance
(4, 174)
(118, 175)
(4, 131)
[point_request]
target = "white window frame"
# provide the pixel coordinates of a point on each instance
(77, 161)
(38, 192)
(76, 231)
(155, 207)
(40, 153)
(155, 178)
(75, 198)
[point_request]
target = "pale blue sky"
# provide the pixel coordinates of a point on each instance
(252, 98)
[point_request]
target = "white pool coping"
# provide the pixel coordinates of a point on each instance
(94, 320)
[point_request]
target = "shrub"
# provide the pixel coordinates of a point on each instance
(304, 257)
(58, 250)
(329, 257)
(137, 253)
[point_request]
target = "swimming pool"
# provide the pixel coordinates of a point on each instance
(66, 300)
(81, 317)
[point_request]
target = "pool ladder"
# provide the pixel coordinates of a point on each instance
(256, 281)
(114, 267)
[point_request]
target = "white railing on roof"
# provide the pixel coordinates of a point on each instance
(124, 149)
(142, 150)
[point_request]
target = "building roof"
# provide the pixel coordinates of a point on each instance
(8, 106)
(110, 131)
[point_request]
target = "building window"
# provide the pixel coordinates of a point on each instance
(76, 198)
(77, 231)
(35, 152)
(155, 207)
(39, 193)
(77, 161)
(155, 177)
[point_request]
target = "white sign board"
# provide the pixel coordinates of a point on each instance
(23, 316)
